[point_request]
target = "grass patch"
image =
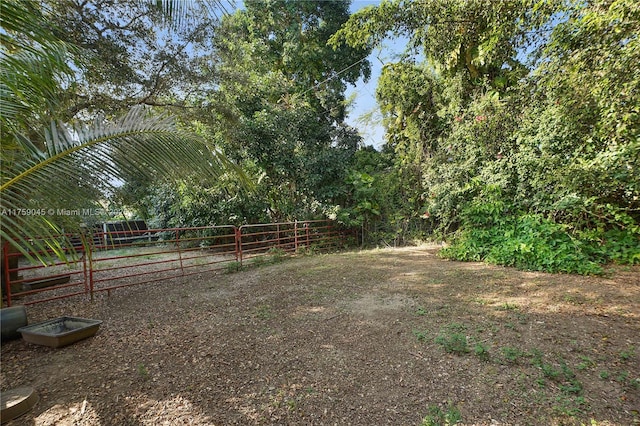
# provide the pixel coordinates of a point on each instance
(421, 311)
(481, 351)
(264, 312)
(628, 354)
(512, 354)
(453, 342)
(585, 363)
(437, 416)
(143, 373)
(233, 267)
(421, 335)
(506, 306)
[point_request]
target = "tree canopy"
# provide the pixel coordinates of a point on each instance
(280, 111)
(532, 162)
(512, 127)
(52, 165)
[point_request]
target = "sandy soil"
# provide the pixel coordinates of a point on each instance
(376, 337)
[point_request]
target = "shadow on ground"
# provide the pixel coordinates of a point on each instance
(371, 337)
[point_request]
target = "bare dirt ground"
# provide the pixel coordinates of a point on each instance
(376, 337)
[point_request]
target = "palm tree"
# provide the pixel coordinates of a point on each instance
(46, 165)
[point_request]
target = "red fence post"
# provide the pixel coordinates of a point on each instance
(87, 254)
(91, 281)
(85, 271)
(97, 274)
(179, 251)
(7, 275)
(238, 233)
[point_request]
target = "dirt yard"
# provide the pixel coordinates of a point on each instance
(396, 337)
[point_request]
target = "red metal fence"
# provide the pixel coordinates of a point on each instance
(105, 261)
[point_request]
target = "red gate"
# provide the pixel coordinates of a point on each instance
(116, 259)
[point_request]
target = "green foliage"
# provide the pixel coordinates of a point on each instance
(481, 351)
(512, 354)
(273, 256)
(571, 384)
(233, 267)
(453, 342)
(365, 207)
(532, 164)
(438, 417)
(278, 110)
(628, 353)
(586, 363)
(224, 201)
(421, 335)
(379, 201)
(410, 97)
(461, 36)
(276, 254)
(143, 372)
(492, 233)
(534, 167)
(420, 311)
(135, 53)
(264, 312)
(52, 163)
(33, 68)
(549, 371)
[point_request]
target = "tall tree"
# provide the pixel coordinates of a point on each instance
(154, 53)
(589, 71)
(45, 168)
(285, 90)
(537, 164)
(471, 53)
(476, 38)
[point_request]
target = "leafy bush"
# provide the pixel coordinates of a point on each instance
(492, 233)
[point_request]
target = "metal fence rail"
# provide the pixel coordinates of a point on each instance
(151, 255)
(290, 237)
(105, 261)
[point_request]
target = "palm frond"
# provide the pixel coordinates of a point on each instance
(34, 62)
(65, 168)
(79, 164)
(179, 12)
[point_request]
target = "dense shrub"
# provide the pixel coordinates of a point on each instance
(492, 233)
